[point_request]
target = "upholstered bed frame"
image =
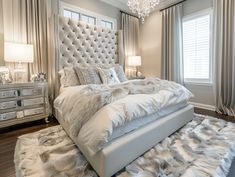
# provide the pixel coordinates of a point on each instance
(88, 45)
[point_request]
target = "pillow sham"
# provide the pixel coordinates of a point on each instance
(68, 77)
(88, 75)
(108, 76)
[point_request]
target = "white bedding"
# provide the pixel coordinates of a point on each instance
(94, 112)
(137, 123)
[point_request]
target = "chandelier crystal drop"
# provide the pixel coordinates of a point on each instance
(142, 7)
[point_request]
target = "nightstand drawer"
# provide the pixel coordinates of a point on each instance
(8, 94)
(8, 105)
(31, 91)
(30, 112)
(34, 101)
(7, 116)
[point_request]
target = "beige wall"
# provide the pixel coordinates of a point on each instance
(151, 49)
(97, 7)
(1, 36)
(151, 45)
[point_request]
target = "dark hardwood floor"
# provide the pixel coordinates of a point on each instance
(214, 114)
(8, 138)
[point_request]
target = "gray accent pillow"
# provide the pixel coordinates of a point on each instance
(120, 73)
(108, 76)
(87, 75)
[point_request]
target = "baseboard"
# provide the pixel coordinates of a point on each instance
(203, 106)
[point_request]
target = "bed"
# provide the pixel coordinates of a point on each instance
(125, 139)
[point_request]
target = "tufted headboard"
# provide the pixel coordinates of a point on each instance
(78, 43)
(86, 45)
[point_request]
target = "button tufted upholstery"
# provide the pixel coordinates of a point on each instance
(86, 45)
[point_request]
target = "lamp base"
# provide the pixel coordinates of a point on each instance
(19, 73)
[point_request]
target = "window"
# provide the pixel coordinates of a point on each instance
(71, 14)
(77, 13)
(197, 48)
(88, 19)
(106, 24)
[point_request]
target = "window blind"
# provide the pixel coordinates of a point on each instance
(196, 48)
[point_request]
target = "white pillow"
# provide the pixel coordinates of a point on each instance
(108, 76)
(68, 77)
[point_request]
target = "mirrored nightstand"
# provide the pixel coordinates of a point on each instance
(23, 102)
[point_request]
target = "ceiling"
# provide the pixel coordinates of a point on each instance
(122, 4)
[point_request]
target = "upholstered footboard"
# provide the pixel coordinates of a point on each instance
(125, 149)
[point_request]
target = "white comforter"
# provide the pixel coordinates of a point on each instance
(91, 113)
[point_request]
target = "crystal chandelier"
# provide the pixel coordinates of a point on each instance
(142, 7)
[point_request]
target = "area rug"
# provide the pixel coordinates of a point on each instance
(204, 147)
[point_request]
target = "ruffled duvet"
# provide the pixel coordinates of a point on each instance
(93, 112)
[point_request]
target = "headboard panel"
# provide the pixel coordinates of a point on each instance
(83, 44)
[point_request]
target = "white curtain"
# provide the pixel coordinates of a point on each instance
(2, 63)
(224, 56)
(34, 22)
(130, 27)
(26, 21)
(172, 51)
(14, 29)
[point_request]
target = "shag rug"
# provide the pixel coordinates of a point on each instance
(205, 147)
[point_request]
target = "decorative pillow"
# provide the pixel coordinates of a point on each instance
(88, 75)
(68, 77)
(108, 76)
(120, 73)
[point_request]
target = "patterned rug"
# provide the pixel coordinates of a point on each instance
(204, 147)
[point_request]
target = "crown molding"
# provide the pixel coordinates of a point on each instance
(120, 4)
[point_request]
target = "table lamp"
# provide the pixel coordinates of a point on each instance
(134, 61)
(20, 53)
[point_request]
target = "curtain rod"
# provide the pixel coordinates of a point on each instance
(173, 5)
(128, 14)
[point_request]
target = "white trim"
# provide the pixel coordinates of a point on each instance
(203, 106)
(209, 84)
(198, 14)
(98, 17)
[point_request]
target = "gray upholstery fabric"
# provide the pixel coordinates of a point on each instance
(86, 45)
(88, 75)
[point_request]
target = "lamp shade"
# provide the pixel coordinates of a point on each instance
(134, 61)
(14, 52)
